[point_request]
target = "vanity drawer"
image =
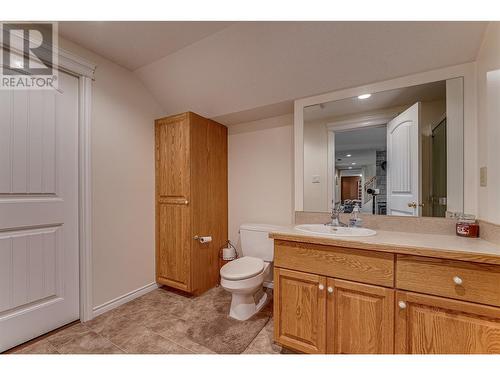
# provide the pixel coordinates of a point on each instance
(344, 263)
(466, 281)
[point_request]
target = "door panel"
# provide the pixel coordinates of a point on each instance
(403, 171)
(349, 187)
(360, 318)
(435, 325)
(299, 310)
(28, 142)
(29, 267)
(39, 288)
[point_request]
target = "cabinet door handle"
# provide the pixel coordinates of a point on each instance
(402, 305)
(321, 287)
(457, 280)
(330, 289)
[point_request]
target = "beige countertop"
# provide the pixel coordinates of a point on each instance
(433, 245)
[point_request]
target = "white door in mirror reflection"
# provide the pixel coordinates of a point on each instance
(403, 195)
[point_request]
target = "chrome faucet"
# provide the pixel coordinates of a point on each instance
(337, 209)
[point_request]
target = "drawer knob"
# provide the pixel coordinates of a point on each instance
(402, 305)
(330, 289)
(321, 287)
(457, 280)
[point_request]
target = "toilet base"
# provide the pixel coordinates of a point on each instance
(244, 306)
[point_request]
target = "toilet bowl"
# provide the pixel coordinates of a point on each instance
(244, 277)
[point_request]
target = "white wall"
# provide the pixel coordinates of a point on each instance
(316, 164)
(260, 173)
(123, 112)
(488, 99)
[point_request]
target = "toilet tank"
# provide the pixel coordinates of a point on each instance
(255, 241)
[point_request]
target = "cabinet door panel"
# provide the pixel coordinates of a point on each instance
(435, 325)
(173, 224)
(208, 198)
(360, 318)
(174, 240)
(299, 310)
(172, 159)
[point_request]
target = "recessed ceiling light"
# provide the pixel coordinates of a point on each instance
(364, 96)
(348, 155)
(349, 167)
(353, 163)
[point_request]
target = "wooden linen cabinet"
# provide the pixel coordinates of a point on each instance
(191, 200)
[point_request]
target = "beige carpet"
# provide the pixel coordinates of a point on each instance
(210, 324)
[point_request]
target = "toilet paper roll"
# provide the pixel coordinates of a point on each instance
(228, 253)
(205, 239)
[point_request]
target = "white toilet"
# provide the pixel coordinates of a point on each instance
(245, 276)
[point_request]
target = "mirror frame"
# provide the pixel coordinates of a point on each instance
(470, 150)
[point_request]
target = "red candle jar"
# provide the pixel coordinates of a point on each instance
(467, 226)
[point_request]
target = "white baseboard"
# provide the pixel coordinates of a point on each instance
(101, 309)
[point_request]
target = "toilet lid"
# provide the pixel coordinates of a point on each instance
(242, 268)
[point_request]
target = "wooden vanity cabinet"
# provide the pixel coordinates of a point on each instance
(191, 200)
(330, 299)
(317, 315)
(434, 325)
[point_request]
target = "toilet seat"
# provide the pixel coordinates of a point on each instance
(242, 268)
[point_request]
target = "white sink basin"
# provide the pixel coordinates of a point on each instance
(335, 231)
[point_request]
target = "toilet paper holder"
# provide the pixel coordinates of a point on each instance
(228, 252)
(203, 239)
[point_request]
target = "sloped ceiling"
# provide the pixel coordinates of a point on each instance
(231, 73)
(135, 44)
(250, 65)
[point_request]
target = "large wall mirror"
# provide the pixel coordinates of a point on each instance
(394, 152)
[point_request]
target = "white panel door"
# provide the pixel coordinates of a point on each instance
(39, 277)
(403, 170)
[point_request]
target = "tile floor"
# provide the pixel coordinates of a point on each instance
(151, 324)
